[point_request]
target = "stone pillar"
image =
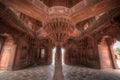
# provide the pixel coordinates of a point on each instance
(8, 54)
(58, 74)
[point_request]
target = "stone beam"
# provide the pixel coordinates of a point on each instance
(103, 22)
(5, 28)
(11, 19)
(28, 7)
(94, 10)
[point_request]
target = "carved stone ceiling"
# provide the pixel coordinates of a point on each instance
(58, 18)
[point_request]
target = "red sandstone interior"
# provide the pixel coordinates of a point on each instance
(86, 29)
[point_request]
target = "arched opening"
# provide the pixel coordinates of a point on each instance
(53, 55)
(41, 56)
(63, 51)
(116, 48)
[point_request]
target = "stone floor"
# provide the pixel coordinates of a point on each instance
(70, 73)
(82, 73)
(33, 73)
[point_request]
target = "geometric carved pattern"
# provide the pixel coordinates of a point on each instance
(59, 29)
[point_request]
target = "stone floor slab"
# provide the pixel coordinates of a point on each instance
(70, 73)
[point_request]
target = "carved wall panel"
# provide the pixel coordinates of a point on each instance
(36, 51)
(84, 53)
(22, 54)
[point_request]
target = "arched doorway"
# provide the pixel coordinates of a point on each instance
(116, 48)
(53, 55)
(63, 51)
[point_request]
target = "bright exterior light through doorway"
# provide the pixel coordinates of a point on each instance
(116, 48)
